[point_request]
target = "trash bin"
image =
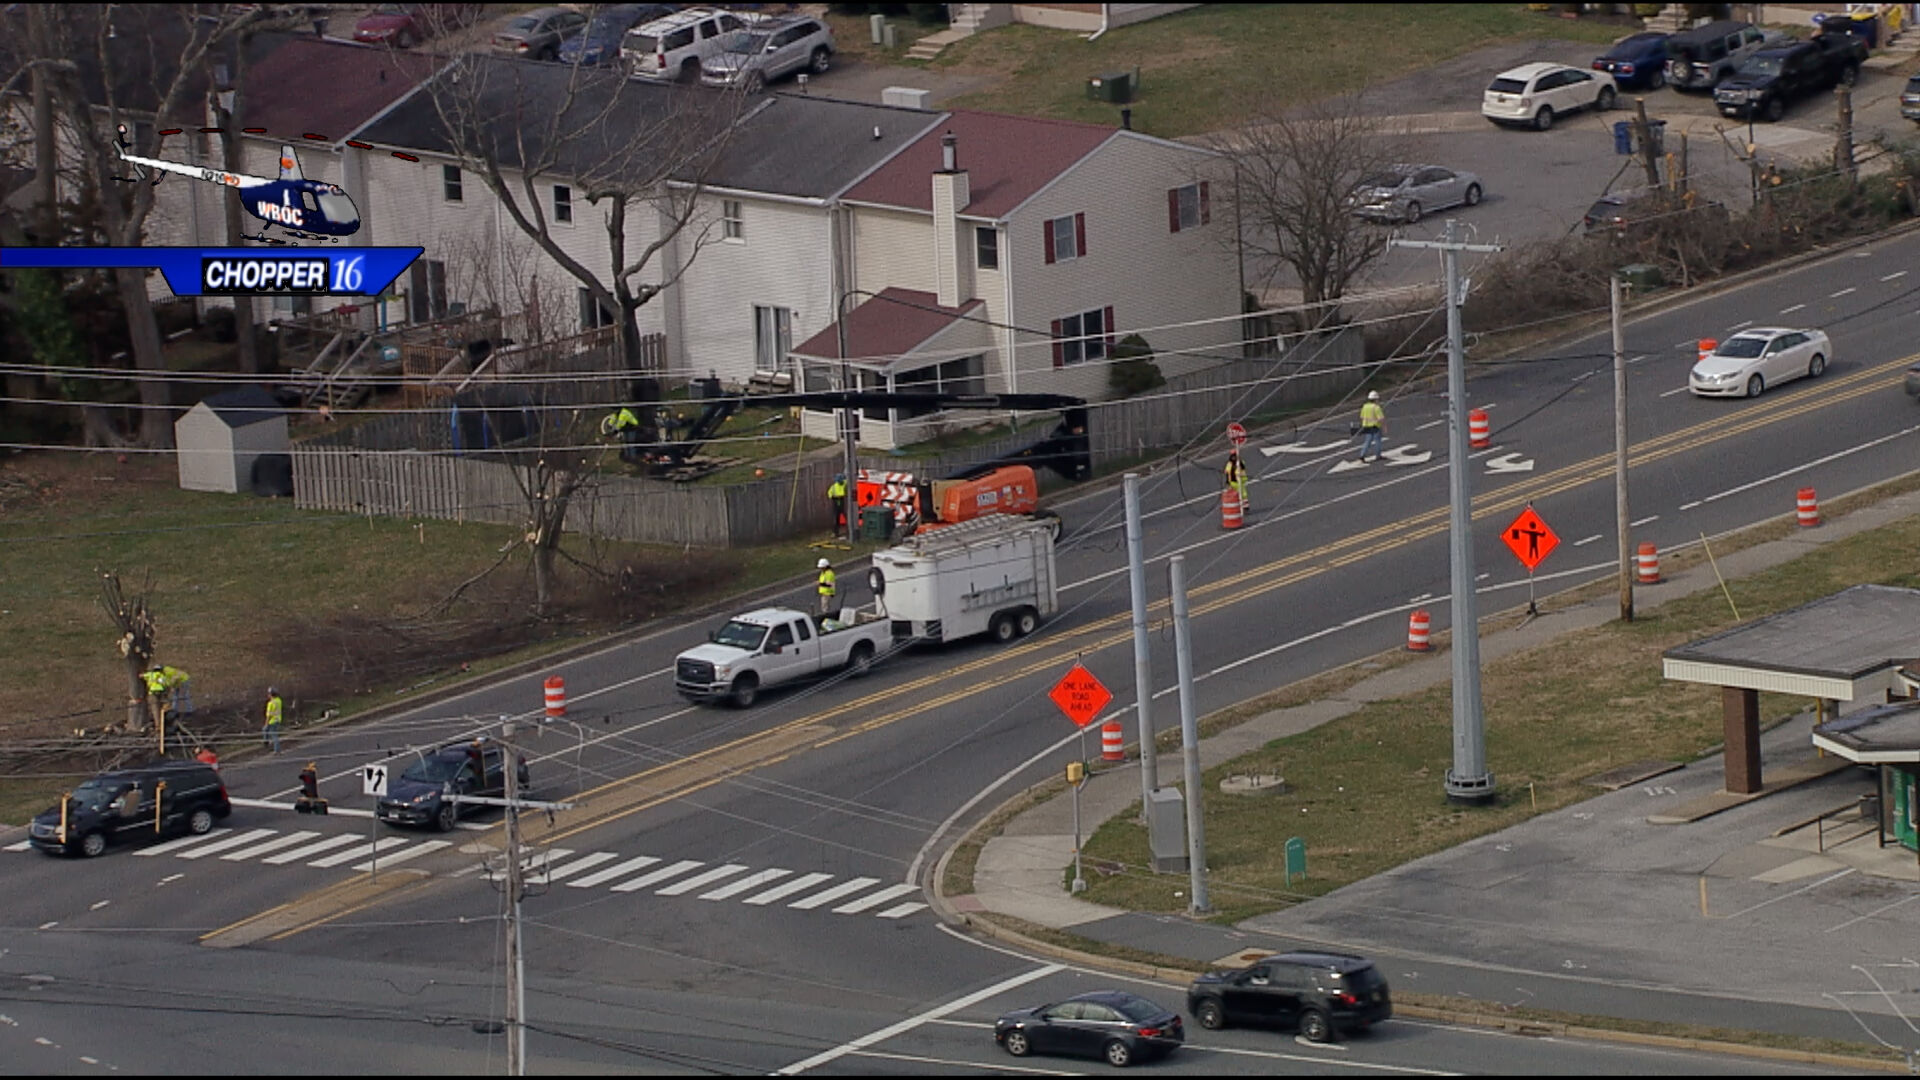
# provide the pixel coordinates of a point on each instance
(1623, 136)
(876, 523)
(1642, 276)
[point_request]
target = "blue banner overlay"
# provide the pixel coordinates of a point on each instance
(228, 271)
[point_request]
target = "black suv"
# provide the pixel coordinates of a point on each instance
(471, 768)
(1322, 995)
(134, 804)
(1773, 78)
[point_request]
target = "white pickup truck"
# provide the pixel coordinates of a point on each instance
(772, 646)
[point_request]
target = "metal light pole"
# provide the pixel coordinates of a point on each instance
(516, 889)
(1142, 664)
(1468, 780)
(1189, 735)
(1620, 454)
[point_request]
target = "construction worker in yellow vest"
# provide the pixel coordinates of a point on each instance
(1373, 420)
(1236, 476)
(623, 425)
(837, 498)
(270, 732)
(167, 686)
(826, 587)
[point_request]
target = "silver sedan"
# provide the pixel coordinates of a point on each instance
(1405, 192)
(1752, 360)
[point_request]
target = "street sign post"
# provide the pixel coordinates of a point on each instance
(1237, 434)
(373, 781)
(1531, 540)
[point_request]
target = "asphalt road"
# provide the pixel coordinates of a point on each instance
(698, 818)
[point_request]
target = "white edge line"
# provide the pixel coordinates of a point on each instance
(1643, 521)
(1691, 505)
(1675, 390)
(1835, 456)
(911, 1022)
(1791, 310)
(1591, 539)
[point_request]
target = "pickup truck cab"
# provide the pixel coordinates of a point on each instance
(1774, 78)
(772, 646)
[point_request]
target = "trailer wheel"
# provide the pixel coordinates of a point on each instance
(860, 661)
(1002, 627)
(1027, 621)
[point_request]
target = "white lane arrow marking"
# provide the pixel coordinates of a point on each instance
(1346, 466)
(1509, 463)
(1301, 448)
(1405, 455)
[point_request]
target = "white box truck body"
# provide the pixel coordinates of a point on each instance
(992, 575)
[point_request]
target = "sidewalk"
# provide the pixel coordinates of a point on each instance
(1021, 871)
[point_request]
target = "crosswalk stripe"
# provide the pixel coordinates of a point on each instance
(545, 858)
(360, 852)
(874, 900)
(185, 841)
(835, 893)
(698, 881)
(314, 848)
(612, 872)
(579, 864)
(663, 874)
(751, 881)
(20, 846)
(274, 844)
(899, 910)
(234, 841)
(804, 881)
(414, 852)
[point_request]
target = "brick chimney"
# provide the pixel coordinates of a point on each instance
(950, 197)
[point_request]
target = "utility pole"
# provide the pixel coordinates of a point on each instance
(849, 421)
(1643, 131)
(1843, 142)
(1142, 665)
(1468, 780)
(1620, 454)
(228, 76)
(1189, 736)
(516, 890)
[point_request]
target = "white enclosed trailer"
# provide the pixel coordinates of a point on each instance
(994, 574)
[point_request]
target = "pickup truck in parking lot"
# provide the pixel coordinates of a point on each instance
(1775, 77)
(771, 646)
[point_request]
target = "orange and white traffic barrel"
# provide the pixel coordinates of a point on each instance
(1707, 345)
(1113, 741)
(1232, 513)
(1417, 627)
(1479, 430)
(1809, 508)
(556, 697)
(1648, 560)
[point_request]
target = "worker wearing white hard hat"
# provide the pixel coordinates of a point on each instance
(1373, 421)
(826, 587)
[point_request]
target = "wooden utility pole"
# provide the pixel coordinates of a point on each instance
(1843, 143)
(1643, 131)
(226, 90)
(1620, 454)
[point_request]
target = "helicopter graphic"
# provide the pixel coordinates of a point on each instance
(304, 209)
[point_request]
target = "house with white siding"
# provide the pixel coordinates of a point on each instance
(1009, 254)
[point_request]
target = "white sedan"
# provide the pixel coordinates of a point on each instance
(1752, 360)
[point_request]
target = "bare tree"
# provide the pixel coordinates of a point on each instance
(143, 66)
(1290, 172)
(136, 642)
(639, 155)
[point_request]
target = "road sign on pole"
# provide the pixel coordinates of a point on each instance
(1530, 539)
(1080, 695)
(1237, 434)
(373, 780)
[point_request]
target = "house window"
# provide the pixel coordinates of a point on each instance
(563, 204)
(772, 337)
(450, 182)
(1187, 207)
(966, 375)
(1082, 338)
(1066, 237)
(986, 247)
(732, 225)
(427, 290)
(593, 314)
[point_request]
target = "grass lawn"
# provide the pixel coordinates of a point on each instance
(1366, 789)
(1195, 64)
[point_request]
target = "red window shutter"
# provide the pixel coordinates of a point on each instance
(1206, 213)
(1059, 352)
(1046, 228)
(1108, 317)
(1173, 209)
(1079, 235)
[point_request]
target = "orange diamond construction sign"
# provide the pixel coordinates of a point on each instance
(1080, 695)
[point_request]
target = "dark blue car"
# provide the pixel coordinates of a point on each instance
(599, 43)
(1638, 62)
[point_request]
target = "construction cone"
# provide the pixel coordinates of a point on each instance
(1232, 513)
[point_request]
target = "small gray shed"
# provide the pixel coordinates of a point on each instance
(219, 439)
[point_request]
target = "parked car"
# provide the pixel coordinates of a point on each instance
(1618, 214)
(599, 41)
(1535, 94)
(1322, 995)
(1111, 1024)
(132, 805)
(1638, 61)
(416, 796)
(1773, 78)
(1910, 99)
(673, 48)
(1747, 363)
(538, 33)
(771, 50)
(1699, 58)
(1405, 192)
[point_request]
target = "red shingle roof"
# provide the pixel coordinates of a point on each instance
(325, 87)
(1007, 159)
(890, 324)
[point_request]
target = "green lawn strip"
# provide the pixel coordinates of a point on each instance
(1196, 64)
(1366, 790)
(853, 37)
